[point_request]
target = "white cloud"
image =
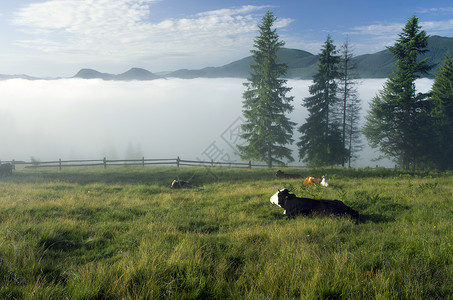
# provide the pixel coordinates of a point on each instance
(90, 119)
(75, 118)
(437, 27)
(436, 10)
(374, 37)
(121, 30)
(378, 29)
(83, 24)
(392, 29)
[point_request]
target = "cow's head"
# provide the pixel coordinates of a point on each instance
(280, 197)
(274, 198)
(283, 195)
(324, 181)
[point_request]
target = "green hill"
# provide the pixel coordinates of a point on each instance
(438, 49)
(381, 64)
(378, 65)
(303, 65)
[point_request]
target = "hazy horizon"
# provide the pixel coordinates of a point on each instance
(195, 119)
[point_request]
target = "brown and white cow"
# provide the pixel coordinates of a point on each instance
(316, 180)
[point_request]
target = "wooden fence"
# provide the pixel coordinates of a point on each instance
(132, 162)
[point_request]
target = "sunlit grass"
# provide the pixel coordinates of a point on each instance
(123, 233)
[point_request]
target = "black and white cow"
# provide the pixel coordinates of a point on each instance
(306, 206)
(6, 170)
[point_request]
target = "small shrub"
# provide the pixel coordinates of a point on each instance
(427, 186)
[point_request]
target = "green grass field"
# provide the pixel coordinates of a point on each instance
(121, 233)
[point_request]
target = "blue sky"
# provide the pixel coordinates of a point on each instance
(58, 37)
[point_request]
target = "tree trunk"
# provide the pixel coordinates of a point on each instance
(269, 156)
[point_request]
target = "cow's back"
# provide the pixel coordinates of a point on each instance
(299, 206)
(281, 174)
(335, 207)
(312, 180)
(307, 206)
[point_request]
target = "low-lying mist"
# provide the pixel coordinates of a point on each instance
(195, 119)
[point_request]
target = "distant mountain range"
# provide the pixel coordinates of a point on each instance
(132, 74)
(301, 65)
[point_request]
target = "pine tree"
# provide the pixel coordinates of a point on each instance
(351, 107)
(321, 141)
(397, 120)
(442, 114)
(267, 130)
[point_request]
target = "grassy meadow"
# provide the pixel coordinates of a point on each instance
(122, 233)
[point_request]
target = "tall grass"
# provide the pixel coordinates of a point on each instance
(121, 233)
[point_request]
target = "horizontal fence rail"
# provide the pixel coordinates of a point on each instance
(135, 162)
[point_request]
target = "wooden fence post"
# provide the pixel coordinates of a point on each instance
(59, 164)
(250, 164)
(177, 162)
(105, 163)
(143, 161)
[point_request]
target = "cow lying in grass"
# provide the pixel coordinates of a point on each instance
(305, 206)
(180, 184)
(281, 174)
(316, 180)
(6, 170)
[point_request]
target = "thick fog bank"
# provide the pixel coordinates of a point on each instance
(88, 119)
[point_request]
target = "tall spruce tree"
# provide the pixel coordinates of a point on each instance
(267, 130)
(321, 141)
(442, 116)
(398, 115)
(347, 88)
